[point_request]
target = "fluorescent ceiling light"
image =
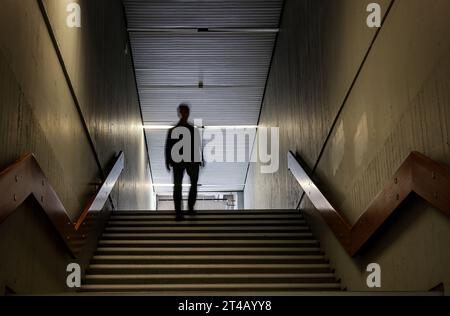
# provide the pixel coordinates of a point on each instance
(188, 185)
(158, 126)
(231, 127)
(165, 127)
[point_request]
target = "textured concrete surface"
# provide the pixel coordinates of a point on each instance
(39, 114)
(399, 103)
(319, 50)
(33, 257)
(99, 64)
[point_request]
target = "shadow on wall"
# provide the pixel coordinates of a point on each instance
(33, 256)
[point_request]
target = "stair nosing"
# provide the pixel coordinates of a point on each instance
(206, 249)
(234, 257)
(205, 242)
(209, 276)
(218, 285)
(206, 265)
(211, 228)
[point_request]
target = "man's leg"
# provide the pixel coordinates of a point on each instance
(178, 173)
(193, 171)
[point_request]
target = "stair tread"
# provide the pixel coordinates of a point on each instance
(248, 211)
(234, 257)
(207, 234)
(206, 249)
(206, 265)
(209, 275)
(206, 242)
(192, 222)
(213, 286)
(241, 293)
(209, 216)
(211, 228)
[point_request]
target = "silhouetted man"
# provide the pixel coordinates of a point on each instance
(183, 153)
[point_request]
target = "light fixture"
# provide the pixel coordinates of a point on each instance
(165, 127)
(158, 127)
(161, 185)
(169, 185)
(232, 127)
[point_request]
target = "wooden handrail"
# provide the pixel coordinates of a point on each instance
(418, 174)
(25, 177)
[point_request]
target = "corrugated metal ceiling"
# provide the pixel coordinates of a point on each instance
(171, 58)
(218, 59)
(203, 13)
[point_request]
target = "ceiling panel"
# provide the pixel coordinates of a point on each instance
(217, 59)
(177, 45)
(215, 106)
(202, 13)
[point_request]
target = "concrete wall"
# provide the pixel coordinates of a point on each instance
(396, 103)
(74, 122)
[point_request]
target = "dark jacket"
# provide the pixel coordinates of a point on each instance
(176, 135)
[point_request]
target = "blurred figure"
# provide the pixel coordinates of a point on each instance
(183, 153)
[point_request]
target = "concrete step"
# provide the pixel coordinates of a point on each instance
(254, 287)
(211, 212)
(211, 229)
(208, 243)
(208, 250)
(260, 293)
(207, 268)
(229, 278)
(194, 222)
(203, 236)
(192, 259)
(158, 217)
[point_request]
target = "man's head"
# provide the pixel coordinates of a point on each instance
(183, 112)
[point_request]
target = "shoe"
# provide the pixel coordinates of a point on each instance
(179, 218)
(191, 212)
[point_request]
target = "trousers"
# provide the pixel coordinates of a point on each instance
(192, 169)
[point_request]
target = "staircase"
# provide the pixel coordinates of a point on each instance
(212, 252)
